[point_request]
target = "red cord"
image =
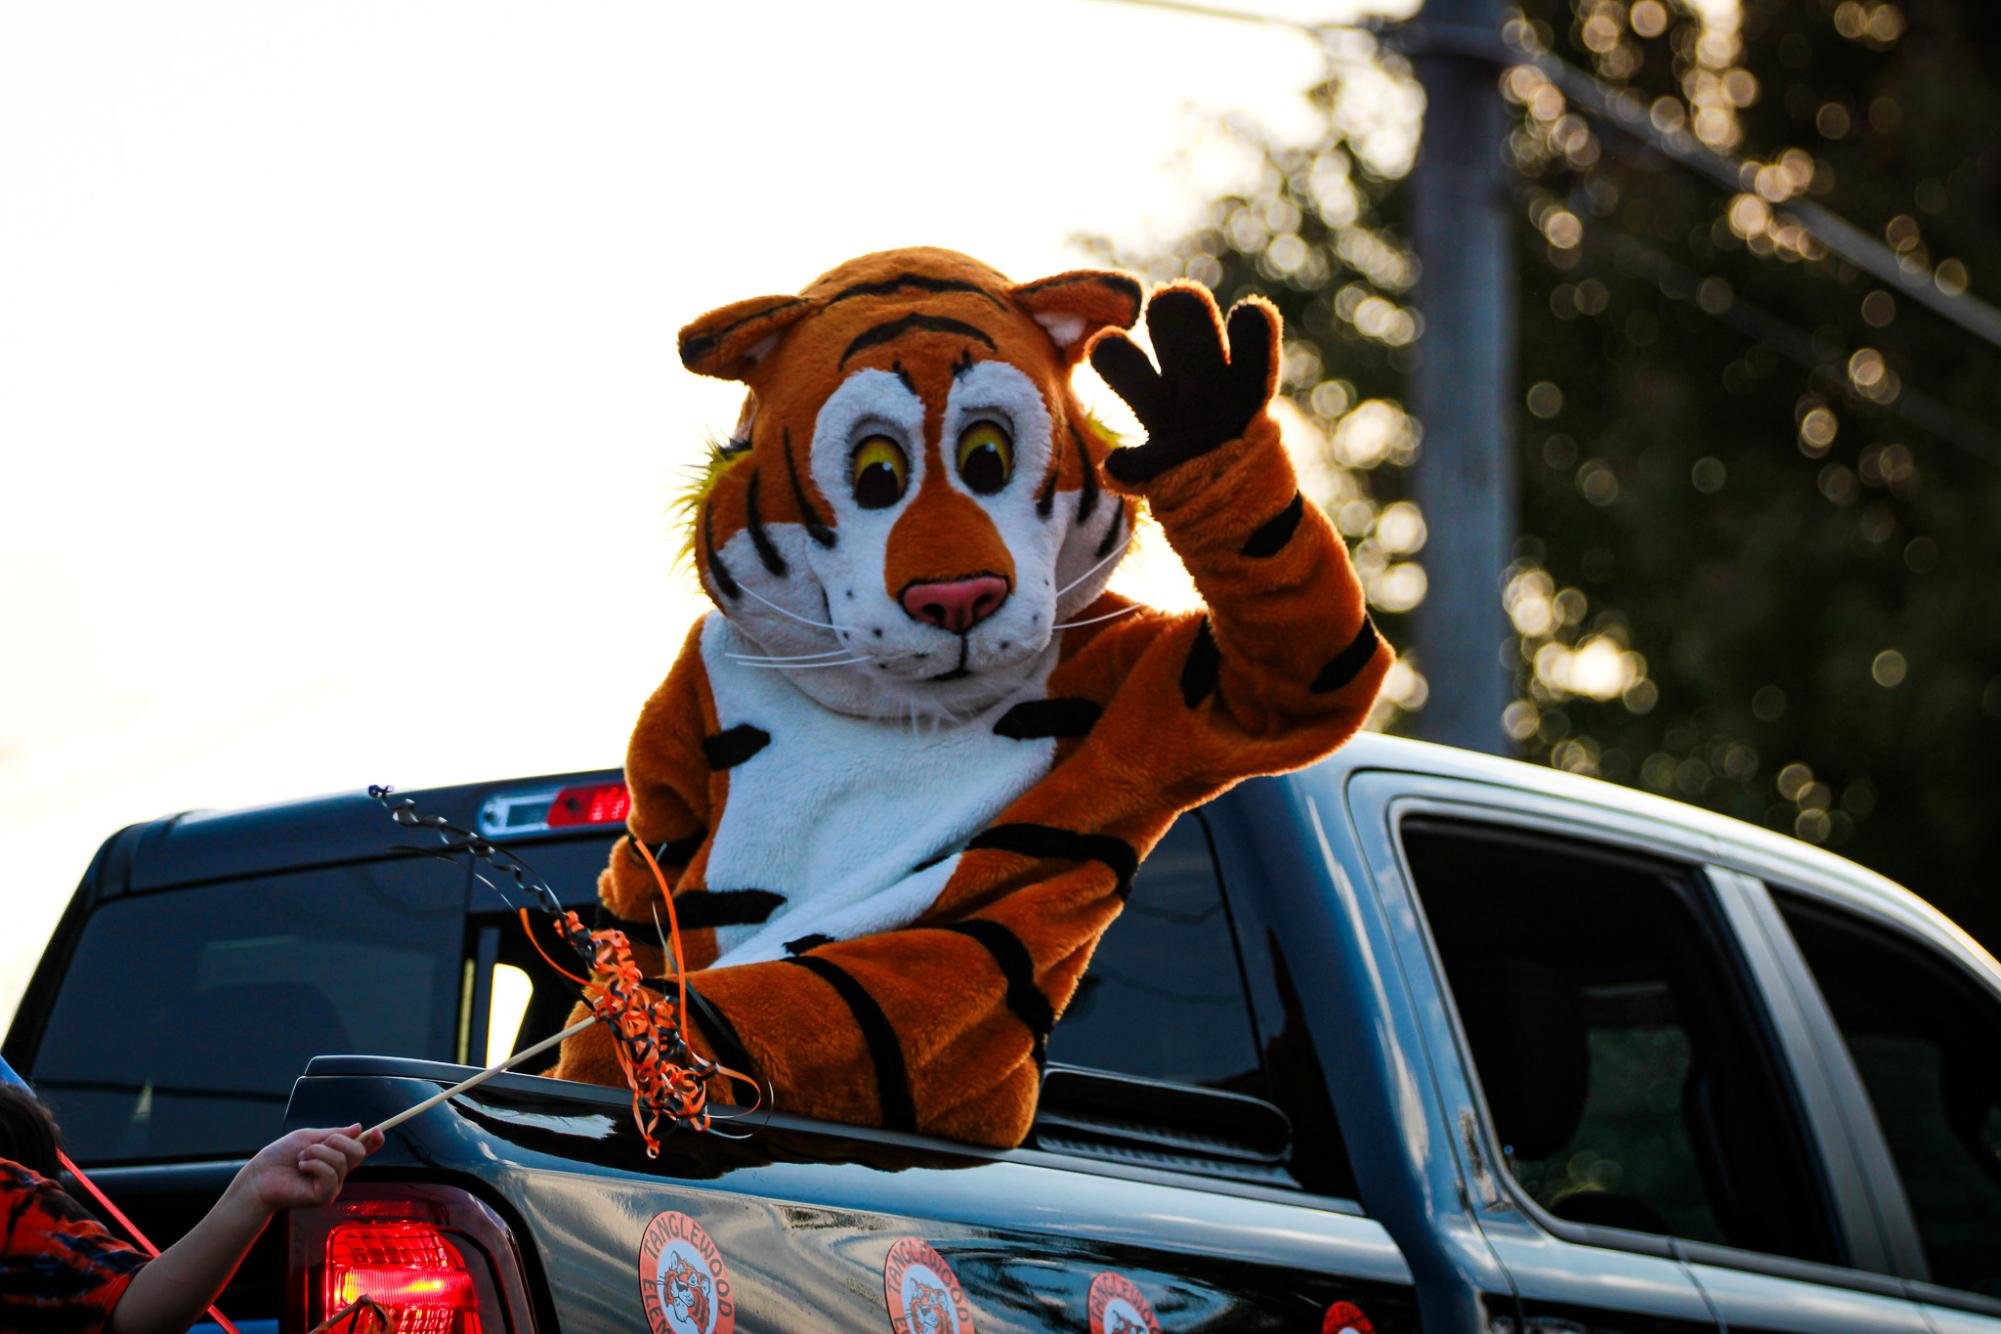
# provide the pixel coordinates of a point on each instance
(131, 1228)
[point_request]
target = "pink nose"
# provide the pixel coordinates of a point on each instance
(957, 606)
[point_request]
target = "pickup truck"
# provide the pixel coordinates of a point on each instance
(1415, 1038)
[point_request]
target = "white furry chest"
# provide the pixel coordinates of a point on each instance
(857, 822)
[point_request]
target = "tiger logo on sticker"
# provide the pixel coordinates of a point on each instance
(1117, 1306)
(684, 1285)
(922, 1292)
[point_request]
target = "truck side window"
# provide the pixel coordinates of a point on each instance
(1628, 1083)
(1158, 1061)
(186, 1014)
(1927, 1042)
(1164, 997)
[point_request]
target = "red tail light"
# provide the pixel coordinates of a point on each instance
(592, 803)
(412, 1270)
(435, 1259)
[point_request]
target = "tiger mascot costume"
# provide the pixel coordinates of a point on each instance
(901, 779)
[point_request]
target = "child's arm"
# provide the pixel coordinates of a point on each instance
(306, 1167)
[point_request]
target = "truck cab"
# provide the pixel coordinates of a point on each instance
(1416, 1038)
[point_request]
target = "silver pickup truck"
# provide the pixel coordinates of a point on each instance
(1414, 1038)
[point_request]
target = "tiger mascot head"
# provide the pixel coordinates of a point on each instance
(686, 1293)
(909, 507)
(930, 1310)
(1120, 1325)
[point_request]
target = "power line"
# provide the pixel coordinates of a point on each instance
(1679, 283)
(1620, 110)
(1623, 112)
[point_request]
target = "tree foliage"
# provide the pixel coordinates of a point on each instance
(1760, 563)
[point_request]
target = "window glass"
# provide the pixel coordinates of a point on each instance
(527, 1000)
(1927, 1042)
(1141, 1008)
(1164, 997)
(1614, 1045)
(569, 866)
(186, 1015)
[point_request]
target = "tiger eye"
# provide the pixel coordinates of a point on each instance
(986, 457)
(878, 472)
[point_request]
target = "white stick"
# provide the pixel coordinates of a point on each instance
(486, 1074)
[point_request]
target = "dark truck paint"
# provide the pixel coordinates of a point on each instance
(1463, 1043)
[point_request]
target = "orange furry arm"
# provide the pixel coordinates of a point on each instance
(1287, 657)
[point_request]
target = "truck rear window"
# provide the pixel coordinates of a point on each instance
(186, 1015)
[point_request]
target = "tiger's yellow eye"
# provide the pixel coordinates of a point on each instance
(986, 457)
(878, 472)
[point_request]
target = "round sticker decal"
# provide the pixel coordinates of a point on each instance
(1118, 1307)
(1345, 1318)
(923, 1293)
(684, 1285)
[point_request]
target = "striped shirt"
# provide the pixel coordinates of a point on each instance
(59, 1269)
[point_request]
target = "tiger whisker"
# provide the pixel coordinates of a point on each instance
(817, 625)
(1126, 610)
(801, 666)
(792, 657)
(1085, 575)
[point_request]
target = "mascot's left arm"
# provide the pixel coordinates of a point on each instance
(941, 1026)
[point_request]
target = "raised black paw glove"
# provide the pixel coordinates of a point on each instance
(1208, 387)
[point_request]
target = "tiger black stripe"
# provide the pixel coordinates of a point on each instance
(1112, 531)
(723, 1038)
(809, 516)
(759, 538)
(679, 851)
(701, 909)
(673, 852)
(903, 375)
(1198, 674)
(733, 745)
(1127, 287)
(892, 1084)
(922, 282)
(693, 349)
(1045, 501)
(1275, 532)
(1042, 840)
(717, 570)
(1035, 719)
(891, 330)
(812, 942)
(1346, 665)
(1087, 493)
(1024, 998)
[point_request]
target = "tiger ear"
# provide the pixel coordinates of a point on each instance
(729, 342)
(1075, 307)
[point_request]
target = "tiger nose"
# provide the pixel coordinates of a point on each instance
(957, 606)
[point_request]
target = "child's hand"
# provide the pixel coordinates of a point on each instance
(304, 1168)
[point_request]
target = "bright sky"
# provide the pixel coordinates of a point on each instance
(339, 407)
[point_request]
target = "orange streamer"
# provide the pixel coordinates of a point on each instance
(669, 1080)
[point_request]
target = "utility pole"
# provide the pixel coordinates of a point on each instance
(1464, 390)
